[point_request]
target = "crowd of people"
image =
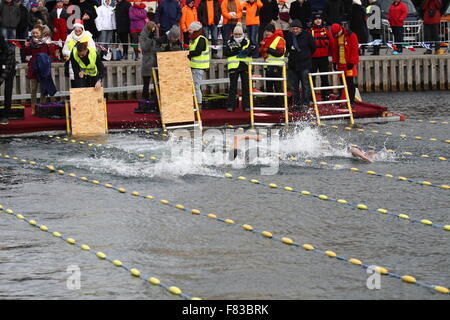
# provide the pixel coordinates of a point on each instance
(307, 32)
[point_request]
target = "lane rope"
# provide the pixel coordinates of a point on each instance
(246, 227)
(102, 256)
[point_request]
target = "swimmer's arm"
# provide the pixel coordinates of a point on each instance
(240, 137)
(359, 154)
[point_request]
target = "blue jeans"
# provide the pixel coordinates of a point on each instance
(197, 76)
(9, 33)
(295, 77)
(252, 32)
(211, 30)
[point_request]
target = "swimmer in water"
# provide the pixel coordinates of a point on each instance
(366, 156)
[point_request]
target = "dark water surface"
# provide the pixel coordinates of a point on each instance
(212, 260)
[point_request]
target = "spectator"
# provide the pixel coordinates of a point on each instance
(39, 43)
(209, 14)
(358, 23)
(347, 10)
(398, 11)
(334, 11)
(188, 15)
(323, 40)
(147, 40)
(268, 14)
(199, 57)
(9, 19)
(105, 23)
(431, 21)
(170, 41)
(301, 46)
(345, 57)
(168, 13)
(252, 10)
(44, 11)
(87, 66)
(22, 28)
(122, 16)
(35, 15)
(272, 49)
(283, 17)
(88, 15)
(138, 19)
(239, 53)
(374, 25)
(150, 14)
(58, 21)
(7, 75)
(232, 14)
(318, 5)
(301, 10)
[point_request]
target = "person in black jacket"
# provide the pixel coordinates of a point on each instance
(374, 24)
(87, 65)
(267, 13)
(210, 30)
(301, 46)
(123, 24)
(300, 10)
(7, 75)
(88, 15)
(358, 23)
(334, 11)
(22, 28)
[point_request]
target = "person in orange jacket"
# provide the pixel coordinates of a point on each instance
(188, 15)
(232, 14)
(252, 21)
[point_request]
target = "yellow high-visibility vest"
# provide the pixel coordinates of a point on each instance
(91, 68)
(201, 61)
(233, 62)
(271, 58)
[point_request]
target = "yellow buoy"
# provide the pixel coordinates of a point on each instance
(180, 206)
(121, 190)
(362, 206)
(43, 228)
(287, 240)
(323, 197)
(432, 139)
(409, 279)
(403, 178)
(426, 222)
(418, 138)
(9, 211)
(164, 201)
(32, 222)
(273, 185)
(371, 172)
(228, 175)
(229, 221)
(383, 211)
(306, 192)
(70, 240)
(444, 186)
(441, 289)
(308, 247)
(341, 201)
(85, 247)
(375, 131)
(135, 193)
(117, 263)
(51, 168)
(354, 169)
(154, 281)
(247, 227)
(56, 234)
(153, 158)
(425, 156)
(403, 216)
(267, 234)
(288, 188)
(254, 181)
(308, 161)
(100, 255)
(355, 261)
(242, 178)
(135, 272)
(323, 163)
(447, 227)
(388, 175)
(84, 179)
(330, 254)
(380, 270)
(212, 216)
(442, 159)
(95, 182)
(141, 156)
(107, 185)
(149, 197)
(19, 216)
(61, 172)
(195, 211)
(175, 290)
(72, 175)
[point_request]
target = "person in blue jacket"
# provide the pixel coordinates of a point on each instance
(167, 14)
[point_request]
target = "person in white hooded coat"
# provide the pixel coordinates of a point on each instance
(78, 34)
(105, 22)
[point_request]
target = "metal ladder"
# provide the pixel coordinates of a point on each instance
(317, 103)
(196, 108)
(284, 94)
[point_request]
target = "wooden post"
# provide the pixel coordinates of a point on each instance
(418, 74)
(393, 75)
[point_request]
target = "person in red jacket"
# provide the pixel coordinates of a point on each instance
(345, 54)
(323, 39)
(398, 11)
(431, 21)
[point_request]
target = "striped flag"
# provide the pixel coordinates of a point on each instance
(16, 43)
(409, 47)
(392, 46)
(425, 45)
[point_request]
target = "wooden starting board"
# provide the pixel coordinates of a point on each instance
(175, 85)
(88, 111)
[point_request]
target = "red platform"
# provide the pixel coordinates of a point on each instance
(121, 116)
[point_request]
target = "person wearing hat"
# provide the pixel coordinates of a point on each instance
(232, 15)
(199, 56)
(301, 46)
(7, 75)
(323, 39)
(9, 18)
(345, 56)
(188, 15)
(239, 53)
(272, 50)
(87, 67)
(36, 15)
(252, 21)
(170, 41)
